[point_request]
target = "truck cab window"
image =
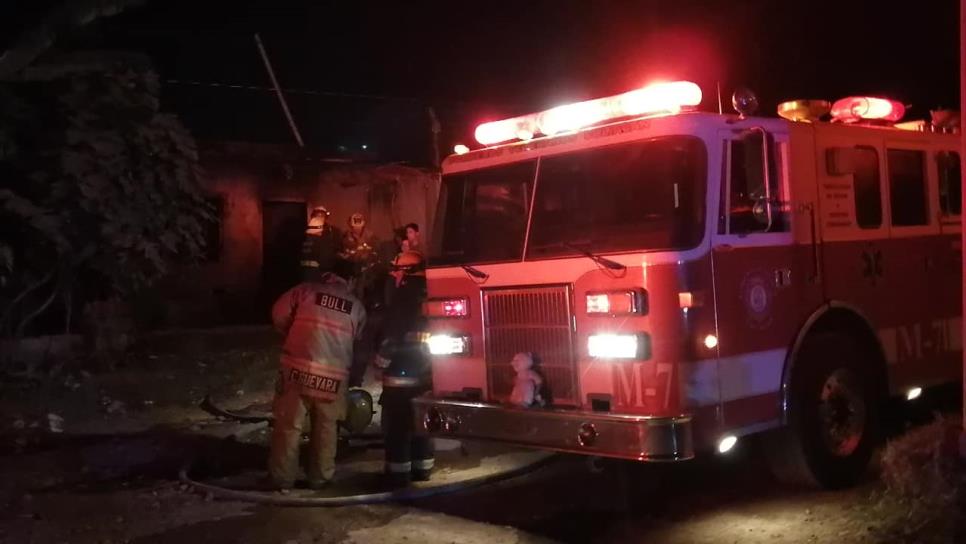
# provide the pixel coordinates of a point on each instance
(645, 195)
(950, 182)
(907, 187)
(867, 188)
(483, 214)
(751, 207)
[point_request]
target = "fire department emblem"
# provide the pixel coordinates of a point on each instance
(757, 297)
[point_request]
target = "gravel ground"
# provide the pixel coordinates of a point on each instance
(102, 471)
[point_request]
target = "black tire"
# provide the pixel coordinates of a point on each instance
(835, 403)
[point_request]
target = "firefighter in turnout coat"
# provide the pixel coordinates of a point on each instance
(406, 374)
(321, 320)
(320, 247)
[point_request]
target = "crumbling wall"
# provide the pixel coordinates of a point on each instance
(224, 290)
(389, 196)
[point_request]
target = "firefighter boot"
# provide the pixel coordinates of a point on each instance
(399, 477)
(423, 460)
(397, 428)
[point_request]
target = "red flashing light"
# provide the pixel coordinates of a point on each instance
(454, 307)
(571, 117)
(867, 108)
(497, 131)
(668, 97)
(614, 302)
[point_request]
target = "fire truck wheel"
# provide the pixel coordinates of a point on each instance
(835, 399)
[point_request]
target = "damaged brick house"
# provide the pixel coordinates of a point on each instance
(262, 194)
(261, 186)
(359, 155)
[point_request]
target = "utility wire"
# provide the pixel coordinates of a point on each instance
(288, 91)
(310, 92)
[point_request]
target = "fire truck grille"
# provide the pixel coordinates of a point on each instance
(534, 319)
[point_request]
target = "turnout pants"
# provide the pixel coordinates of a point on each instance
(406, 452)
(290, 409)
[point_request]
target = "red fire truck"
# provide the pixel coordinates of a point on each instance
(685, 279)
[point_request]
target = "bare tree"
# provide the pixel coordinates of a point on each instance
(34, 41)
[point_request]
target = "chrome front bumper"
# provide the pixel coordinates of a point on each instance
(641, 438)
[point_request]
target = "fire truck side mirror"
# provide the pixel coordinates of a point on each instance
(840, 161)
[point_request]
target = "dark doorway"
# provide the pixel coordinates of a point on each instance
(283, 227)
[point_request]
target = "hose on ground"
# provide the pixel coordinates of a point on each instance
(405, 494)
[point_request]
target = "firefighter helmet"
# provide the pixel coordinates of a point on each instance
(408, 260)
(358, 413)
(317, 217)
(357, 220)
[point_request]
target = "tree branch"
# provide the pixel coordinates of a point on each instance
(68, 15)
(30, 288)
(68, 308)
(26, 321)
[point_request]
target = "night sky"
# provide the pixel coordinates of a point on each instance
(374, 67)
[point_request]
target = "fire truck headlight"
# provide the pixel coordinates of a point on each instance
(445, 344)
(727, 443)
(618, 346)
(913, 393)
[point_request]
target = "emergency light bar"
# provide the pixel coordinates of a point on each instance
(668, 97)
(867, 108)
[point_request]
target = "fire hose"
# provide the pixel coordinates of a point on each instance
(405, 494)
(278, 499)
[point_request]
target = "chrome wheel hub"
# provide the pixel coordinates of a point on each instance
(842, 413)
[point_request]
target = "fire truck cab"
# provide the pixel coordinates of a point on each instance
(685, 279)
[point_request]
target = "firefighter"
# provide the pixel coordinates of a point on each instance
(358, 243)
(321, 245)
(413, 242)
(388, 252)
(321, 320)
(405, 375)
(358, 246)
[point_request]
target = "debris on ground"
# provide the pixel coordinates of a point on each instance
(924, 475)
(55, 423)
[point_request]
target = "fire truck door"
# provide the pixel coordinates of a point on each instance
(946, 287)
(757, 271)
(947, 290)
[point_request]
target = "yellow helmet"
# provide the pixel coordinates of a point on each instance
(317, 217)
(357, 220)
(358, 414)
(408, 258)
(410, 262)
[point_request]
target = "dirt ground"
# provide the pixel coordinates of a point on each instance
(161, 383)
(103, 469)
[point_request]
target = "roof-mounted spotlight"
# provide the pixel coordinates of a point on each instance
(744, 102)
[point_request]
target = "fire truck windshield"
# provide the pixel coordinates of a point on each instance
(639, 196)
